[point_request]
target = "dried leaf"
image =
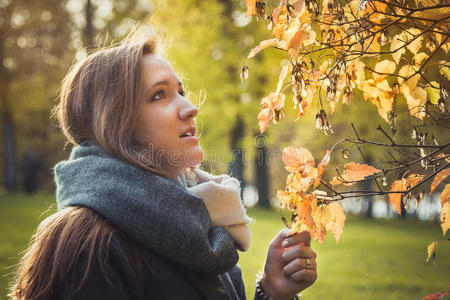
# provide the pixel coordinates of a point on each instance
(321, 167)
(283, 74)
(395, 199)
(438, 179)
(385, 66)
(322, 217)
(300, 182)
(397, 45)
(354, 172)
(262, 45)
(271, 106)
(295, 37)
(337, 220)
(445, 217)
(416, 34)
(304, 210)
(445, 209)
(431, 251)
(297, 160)
(244, 72)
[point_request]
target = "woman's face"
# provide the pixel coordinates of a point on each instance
(166, 120)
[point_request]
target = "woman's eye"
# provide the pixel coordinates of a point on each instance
(159, 95)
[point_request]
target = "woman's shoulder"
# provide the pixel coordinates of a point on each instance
(108, 266)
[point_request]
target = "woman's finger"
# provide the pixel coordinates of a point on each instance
(292, 253)
(304, 275)
(300, 237)
(298, 264)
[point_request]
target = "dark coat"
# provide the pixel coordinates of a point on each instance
(164, 279)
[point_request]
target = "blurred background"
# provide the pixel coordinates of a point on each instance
(380, 255)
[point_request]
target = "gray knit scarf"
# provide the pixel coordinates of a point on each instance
(151, 208)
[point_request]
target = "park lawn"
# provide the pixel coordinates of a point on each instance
(375, 259)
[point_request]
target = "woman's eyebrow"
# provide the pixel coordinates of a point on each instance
(165, 82)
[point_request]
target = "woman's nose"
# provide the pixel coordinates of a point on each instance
(188, 111)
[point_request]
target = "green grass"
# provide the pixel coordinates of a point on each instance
(375, 259)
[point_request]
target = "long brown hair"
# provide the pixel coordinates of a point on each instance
(99, 98)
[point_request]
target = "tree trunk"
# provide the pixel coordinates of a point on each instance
(88, 29)
(236, 166)
(10, 152)
(262, 172)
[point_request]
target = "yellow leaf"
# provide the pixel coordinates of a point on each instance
(445, 46)
(414, 46)
(297, 36)
(445, 217)
(304, 210)
(283, 74)
(262, 45)
(445, 195)
(397, 44)
(322, 217)
(251, 7)
(431, 250)
(416, 98)
(419, 58)
(433, 93)
(445, 209)
(438, 179)
(337, 220)
(297, 159)
(445, 70)
(298, 182)
(271, 106)
(321, 167)
(385, 66)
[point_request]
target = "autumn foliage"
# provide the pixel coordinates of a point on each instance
(390, 51)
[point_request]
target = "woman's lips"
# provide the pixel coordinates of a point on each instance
(190, 137)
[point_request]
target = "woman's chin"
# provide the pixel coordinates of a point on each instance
(194, 157)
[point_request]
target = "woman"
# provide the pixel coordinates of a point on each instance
(136, 219)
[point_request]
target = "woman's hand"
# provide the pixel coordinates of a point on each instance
(285, 272)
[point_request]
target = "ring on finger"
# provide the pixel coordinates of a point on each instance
(308, 264)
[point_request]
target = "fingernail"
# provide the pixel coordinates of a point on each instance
(285, 243)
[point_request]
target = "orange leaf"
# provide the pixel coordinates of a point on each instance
(322, 217)
(304, 210)
(438, 179)
(300, 182)
(271, 106)
(321, 167)
(396, 198)
(297, 37)
(445, 209)
(337, 221)
(435, 296)
(251, 7)
(288, 199)
(412, 180)
(445, 217)
(354, 172)
(297, 159)
(262, 45)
